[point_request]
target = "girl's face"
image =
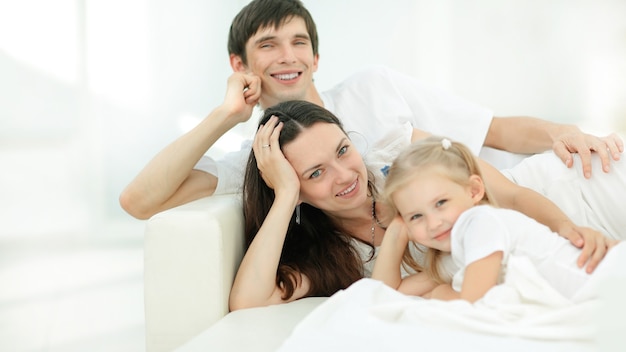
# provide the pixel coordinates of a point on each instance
(431, 203)
(332, 174)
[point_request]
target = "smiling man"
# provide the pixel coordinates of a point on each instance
(273, 51)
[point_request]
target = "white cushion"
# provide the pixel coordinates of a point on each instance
(255, 329)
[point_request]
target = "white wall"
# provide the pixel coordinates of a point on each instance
(91, 89)
(561, 60)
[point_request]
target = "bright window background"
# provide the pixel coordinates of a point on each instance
(90, 90)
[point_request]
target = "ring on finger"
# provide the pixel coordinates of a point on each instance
(265, 146)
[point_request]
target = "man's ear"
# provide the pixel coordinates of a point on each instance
(316, 60)
(477, 188)
(236, 63)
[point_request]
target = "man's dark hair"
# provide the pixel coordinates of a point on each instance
(260, 14)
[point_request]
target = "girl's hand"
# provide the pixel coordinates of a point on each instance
(594, 244)
(275, 169)
(398, 231)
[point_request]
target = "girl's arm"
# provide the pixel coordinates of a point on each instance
(389, 258)
(419, 284)
(480, 277)
(510, 195)
(389, 261)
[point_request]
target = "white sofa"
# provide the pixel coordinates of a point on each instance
(191, 255)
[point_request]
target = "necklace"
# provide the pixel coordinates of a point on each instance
(374, 220)
(378, 222)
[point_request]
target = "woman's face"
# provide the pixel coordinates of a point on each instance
(332, 174)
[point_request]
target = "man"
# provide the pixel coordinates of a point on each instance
(273, 49)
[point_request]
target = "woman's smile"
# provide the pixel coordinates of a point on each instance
(348, 190)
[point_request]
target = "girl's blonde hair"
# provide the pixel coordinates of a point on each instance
(459, 164)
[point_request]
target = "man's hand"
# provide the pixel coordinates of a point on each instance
(242, 94)
(607, 148)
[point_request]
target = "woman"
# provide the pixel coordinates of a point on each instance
(302, 159)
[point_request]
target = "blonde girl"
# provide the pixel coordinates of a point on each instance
(437, 189)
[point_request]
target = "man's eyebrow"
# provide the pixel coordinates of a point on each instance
(264, 38)
(302, 36)
(271, 37)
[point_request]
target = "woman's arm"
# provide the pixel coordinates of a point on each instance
(168, 179)
(509, 195)
(255, 283)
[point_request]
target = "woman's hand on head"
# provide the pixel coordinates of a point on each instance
(594, 244)
(275, 169)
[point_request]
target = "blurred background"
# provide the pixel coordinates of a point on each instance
(90, 90)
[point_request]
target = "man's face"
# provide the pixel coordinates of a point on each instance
(283, 59)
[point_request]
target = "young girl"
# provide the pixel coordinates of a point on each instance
(437, 189)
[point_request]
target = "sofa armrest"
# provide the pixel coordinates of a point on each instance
(191, 255)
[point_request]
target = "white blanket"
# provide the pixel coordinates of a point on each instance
(523, 314)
